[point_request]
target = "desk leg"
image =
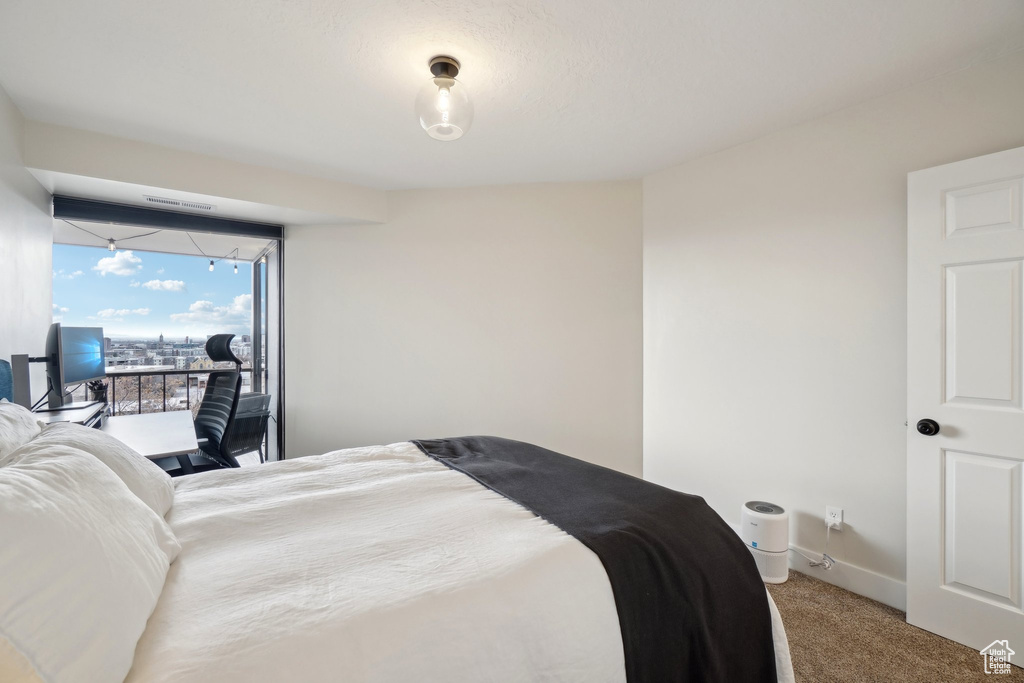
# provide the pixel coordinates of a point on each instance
(186, 464)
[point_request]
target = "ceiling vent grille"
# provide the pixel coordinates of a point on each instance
(175, 202)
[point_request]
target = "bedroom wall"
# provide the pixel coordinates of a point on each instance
(512, 311)
(25, 247)
(86, 157)
(775, 314)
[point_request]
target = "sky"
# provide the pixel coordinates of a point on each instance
(146, 294)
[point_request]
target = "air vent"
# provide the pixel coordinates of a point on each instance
(175, 202)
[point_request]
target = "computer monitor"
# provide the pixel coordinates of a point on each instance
(73, 355)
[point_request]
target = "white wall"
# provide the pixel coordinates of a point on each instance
(25, 247)
(511, 311)
(775, 313)
(129, 169)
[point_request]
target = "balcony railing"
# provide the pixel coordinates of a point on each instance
(145, 390)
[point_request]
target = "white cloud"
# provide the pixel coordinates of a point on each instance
(66, 276)
(236, 317)
(164, 285)
(121, 263)
(160, 272)
(119, 313)
(60, 309)
(134, 283)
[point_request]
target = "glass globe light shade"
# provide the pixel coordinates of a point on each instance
(444, 108)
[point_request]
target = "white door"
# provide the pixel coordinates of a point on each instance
(965, 306)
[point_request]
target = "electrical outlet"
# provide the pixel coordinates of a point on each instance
(834, 517)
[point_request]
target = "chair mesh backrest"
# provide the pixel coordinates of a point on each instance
(218, 405)
(249, 427)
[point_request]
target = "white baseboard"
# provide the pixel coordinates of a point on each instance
(855, 579)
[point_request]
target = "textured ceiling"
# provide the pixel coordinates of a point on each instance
(563, 90)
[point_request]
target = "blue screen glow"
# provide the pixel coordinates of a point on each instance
(82, 354)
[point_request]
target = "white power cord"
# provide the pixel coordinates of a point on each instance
(826, 562)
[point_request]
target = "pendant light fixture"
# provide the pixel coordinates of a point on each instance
(111, 245)
(211, 265)
(443, 104)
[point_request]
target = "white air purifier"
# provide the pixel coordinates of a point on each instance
(764, 527)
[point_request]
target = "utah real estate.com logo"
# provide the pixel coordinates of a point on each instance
(997, 657)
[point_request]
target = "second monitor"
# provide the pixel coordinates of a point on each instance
(74, 355)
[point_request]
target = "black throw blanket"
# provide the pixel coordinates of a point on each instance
(691, 604)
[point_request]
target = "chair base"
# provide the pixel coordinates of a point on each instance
(187, 464)
(193, 463)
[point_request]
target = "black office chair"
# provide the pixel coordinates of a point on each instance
(216, 414)
(229, 424)
(216, 410)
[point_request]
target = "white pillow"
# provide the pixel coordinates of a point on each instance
(83, 563)
(143, 477)
(18, 426)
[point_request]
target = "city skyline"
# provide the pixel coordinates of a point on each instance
(141, 295)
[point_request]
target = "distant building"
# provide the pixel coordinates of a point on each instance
(202, 364)
(161, 338)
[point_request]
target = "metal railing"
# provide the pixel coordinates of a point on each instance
(152, 382)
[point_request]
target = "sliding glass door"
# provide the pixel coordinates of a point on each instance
(128, 279)
(268, 340)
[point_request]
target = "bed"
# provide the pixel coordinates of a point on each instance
(387, 563)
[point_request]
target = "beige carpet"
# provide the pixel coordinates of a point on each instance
(835, 635)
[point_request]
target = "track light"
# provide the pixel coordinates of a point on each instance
(111, 246)
(211, 266)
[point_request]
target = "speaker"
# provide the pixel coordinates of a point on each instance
(22, 381)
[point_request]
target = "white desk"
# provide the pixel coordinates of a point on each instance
(155, 435)
(87, 414)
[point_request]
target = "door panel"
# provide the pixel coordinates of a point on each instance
(990, 207)
(982, 526)
(983, 333)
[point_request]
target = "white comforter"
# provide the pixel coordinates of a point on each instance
(374, 564)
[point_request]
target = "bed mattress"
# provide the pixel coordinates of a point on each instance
(376, 564)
